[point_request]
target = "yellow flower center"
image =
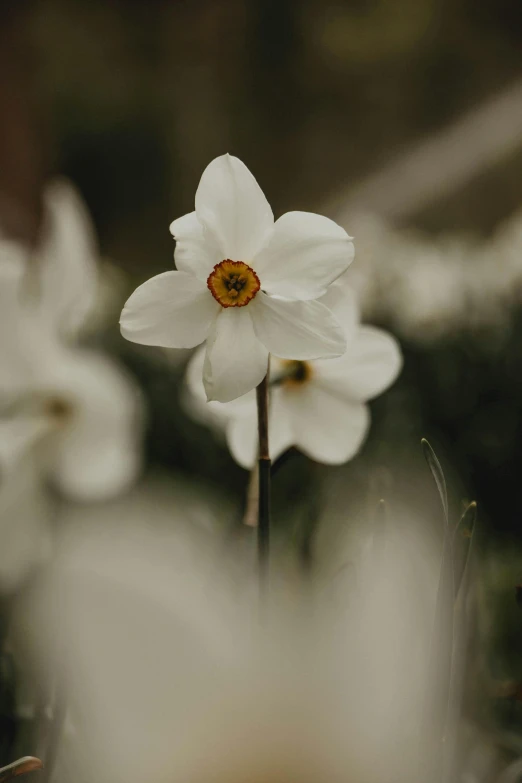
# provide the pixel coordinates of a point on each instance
(296, 373)
(58, 409)
(233, 283)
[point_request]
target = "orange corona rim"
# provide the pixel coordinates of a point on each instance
(233, 283)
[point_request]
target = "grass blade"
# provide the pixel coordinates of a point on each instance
(441, 648)
(438, 475)
(462, 542)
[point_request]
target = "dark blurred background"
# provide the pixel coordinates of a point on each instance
(131, 100)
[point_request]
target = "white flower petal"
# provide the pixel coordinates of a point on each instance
(242, 435)
(236, 361)
(14, 368)
(233, 209)
(194, 399)
(326, 428)
(242, 438)
(96, 453)
(67, 259)
(214, 414)
(172, 310)
(370, 365)
(25, 524)
(306, 253)
(296, 330)
(26, 341)
(341, 301)
(18, 435)
(195, 251)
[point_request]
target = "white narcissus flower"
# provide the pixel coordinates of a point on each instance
(317, 406)
(73, 407)
(66, 261)
(246, 284)
(175, 679)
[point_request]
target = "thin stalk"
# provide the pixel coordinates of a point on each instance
(252, 499)
(263, 528)
(55, 729)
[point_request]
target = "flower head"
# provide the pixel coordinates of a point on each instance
(181, 682)
(233, 283)
(70, 406)
(246, 284)
(317, 406)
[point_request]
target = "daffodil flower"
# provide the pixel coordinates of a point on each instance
(176, 679)
(317, 406)
(71, 407)
(246, 284)
(66, 262)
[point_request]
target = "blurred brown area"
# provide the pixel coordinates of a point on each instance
(137, 97)
(22, 150)
(132, 99)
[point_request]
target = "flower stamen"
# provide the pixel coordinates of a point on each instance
(233, 283)
(296, 373)
(58, 409)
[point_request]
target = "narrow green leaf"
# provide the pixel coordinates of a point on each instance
(441, 648)
(462, 542)
(438, 476)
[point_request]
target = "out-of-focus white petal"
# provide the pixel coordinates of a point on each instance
(195, 252)
(153, 617)
(172, 310)
(13, 256)
(280, 434)
(194, 374)
(370, 365)
(342, 302)
(96, 452)
(194, 400)
(13, 364)
(214, 415)
(125, 617)
(235, 362)
(26, 341)
(326, 428)
(296, 330)
(25, 523)
(18, 435)
(66, 259)
(242, 436)
(233, 209)
(306, 253)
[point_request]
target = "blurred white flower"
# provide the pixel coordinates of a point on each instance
(72, 406)
(65, 261)
(173, 678)
(430, 295)
(246, 285)
(317, 406)
(431, 288)
(25, 523)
